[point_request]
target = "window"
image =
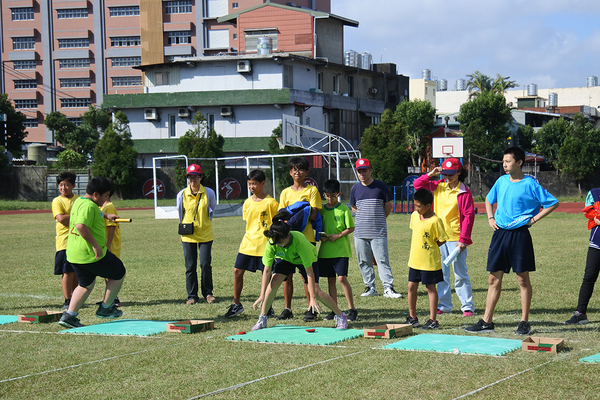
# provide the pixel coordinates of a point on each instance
(74, 63)
(23, 43)
(178, 7)
(288, 76)
(127, 11)
(126, 61)
(72, 13)
(127, 81)
(125, 41)
(27, 103)
(77, 121)
(320, 81)
(336, 84)
(25, 84)
(75, 82)
(31, 123)
(235, 36)
(180, 37)
(75, 103)
(351, 86)
(251, 38)
(162, 78)
(73, 43)
(24, 64)
(171, 125)
(22, 14)
(234, 5)
(210, 122)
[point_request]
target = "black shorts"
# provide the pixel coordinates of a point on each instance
(249, 263)
(61, 265)
(330, 267)
(511, 248)
(109, 267)
(287, 268)
(425, 277)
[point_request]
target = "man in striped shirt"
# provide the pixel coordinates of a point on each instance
(371, 202)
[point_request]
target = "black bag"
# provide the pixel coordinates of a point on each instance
(186, 229)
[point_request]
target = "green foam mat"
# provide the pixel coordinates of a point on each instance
(464, 344)
(8, 319)
(298, 335)
(131, 327)
(591, 359)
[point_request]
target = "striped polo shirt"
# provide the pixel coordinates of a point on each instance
(370, 202)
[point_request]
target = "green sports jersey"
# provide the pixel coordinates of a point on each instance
(299, 252)
(86, 212)
(336, 220)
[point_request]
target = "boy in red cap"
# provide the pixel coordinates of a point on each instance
(371, 202)
(195, 205)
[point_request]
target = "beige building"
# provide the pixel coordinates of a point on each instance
(423, 89)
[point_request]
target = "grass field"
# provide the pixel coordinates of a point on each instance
(39, 363)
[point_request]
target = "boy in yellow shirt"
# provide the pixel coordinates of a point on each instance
(425, 260)
(61, 210)
(300, 191)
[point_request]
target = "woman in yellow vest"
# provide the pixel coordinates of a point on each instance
(195, 205)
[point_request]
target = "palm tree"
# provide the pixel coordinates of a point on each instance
(502, 84)
(478, 83)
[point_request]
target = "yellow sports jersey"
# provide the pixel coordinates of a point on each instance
(197, 206)
(115, 246)
(62, 205)
(258, 216)
(446, 207)
(424, 250)
(310, 194)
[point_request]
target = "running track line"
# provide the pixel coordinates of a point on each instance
(273, 376)
(501, 380)
(87, 363)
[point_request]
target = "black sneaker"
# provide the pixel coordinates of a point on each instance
(110, 312)
(352, 314)
(431, 324)
(310, 316)
(577, 319)
(69, 321)
(117, 302)
(329, 316)
(413, 321)
(523, 329)
(66, 304)
(285, 314)
(481, 327)
(271, 313)
(234, 310)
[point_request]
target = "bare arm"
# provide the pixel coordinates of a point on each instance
(266, 278)
(489, 209)
(389, 206)
(110, 236)
(336, 236)
(85, 233)
(63, 219)
(543, 212)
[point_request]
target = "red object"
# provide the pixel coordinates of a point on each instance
(362, 163)
(229, 189)
(592, 212)
(310, 330)
(450, 166)
(148, 189)
(242, 333)
(193, 169)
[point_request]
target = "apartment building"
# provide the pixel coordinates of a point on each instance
(64, 55)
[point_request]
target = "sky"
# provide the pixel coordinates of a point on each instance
(554, 44)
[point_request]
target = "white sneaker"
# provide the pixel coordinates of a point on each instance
(261, 323)
(390, 293)
(369, 291)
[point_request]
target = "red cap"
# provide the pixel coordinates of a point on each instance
(450, 166)
(362, 163)
(193, 169)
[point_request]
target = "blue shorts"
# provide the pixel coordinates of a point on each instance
(61, 265)
(511, 248)
(287, 268)
(249, 263)
(109, 267)
(425, 277)
(330, 267)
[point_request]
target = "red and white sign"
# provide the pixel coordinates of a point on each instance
(229, 189)
(148, 189)
(311, 181)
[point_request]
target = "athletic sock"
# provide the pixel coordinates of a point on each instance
(103, 306)
(72, 313)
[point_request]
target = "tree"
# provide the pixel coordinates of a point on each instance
(385, 146)
(551, 137)
(114, 156)
(416, 119)
(526, 138)
(3, 160)
(478, 83)
(579, 155)
(14, 126)
(282, 175)
(502, 84)
(483, 121)
(199, 142)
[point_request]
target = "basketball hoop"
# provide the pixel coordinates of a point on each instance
(280, 143)
(448, 150)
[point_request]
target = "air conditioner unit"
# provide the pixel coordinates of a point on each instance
(372, 91)
(150, 114)
(226, 111)
(244, 66)
(183, 113)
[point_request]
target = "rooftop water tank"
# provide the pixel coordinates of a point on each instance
(427, 74)
(264, 45)
(553, 100)
(442, 85)
(460, 84)
(37, 152)
(532, 89)
(592, 81)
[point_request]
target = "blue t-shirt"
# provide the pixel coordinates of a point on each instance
(518, 201)
(370, 209)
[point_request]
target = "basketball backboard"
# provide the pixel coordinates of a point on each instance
(288, 131)
(445, 147)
